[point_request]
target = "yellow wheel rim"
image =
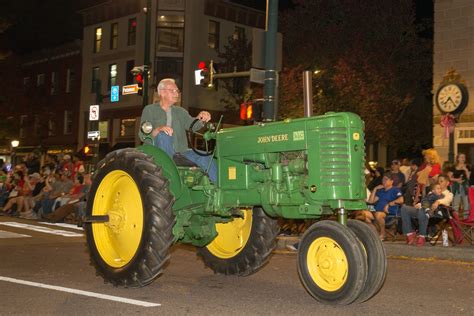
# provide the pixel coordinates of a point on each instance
(327, 264)
(117, 241)
(232, 236)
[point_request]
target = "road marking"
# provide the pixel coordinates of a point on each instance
(42, 229)
(65, 225)
(80, 292)
(5, 234)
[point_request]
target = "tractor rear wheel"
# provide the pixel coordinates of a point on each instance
(243, 245)
(131, 248)
(376, 258)
(332, 263)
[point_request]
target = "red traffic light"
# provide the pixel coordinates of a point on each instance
(202, 65)
(246, 111)
(139, 78)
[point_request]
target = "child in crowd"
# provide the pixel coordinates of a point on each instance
(428, 201)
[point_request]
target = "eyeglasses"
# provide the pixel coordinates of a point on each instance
(173, 90)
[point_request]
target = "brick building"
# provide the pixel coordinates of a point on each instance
(454, 51)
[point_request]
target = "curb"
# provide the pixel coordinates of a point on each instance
(399, 249)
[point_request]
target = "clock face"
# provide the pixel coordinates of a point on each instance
(449, 98)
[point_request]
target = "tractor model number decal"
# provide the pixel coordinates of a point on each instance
(272, 139)
(298, 135)
(232, 173)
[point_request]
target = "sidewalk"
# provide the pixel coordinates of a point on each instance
(396, 249)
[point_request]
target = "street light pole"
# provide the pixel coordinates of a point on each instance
(146, 58)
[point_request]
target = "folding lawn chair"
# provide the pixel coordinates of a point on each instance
(463, 229)
(393, 225)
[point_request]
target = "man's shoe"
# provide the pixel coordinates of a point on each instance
(411, 238)
(420, 241)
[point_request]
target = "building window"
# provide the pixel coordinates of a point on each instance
(26, 84)
(104, 130)
(95, 79)
(239, 33)
(213, 35)
(112, 76)
(40, 80)
(67, 122)
(114, 36)
(22, 133)
(132, 31)
(129, 76)
(97, 39)
(36, 125)
(54, 83)
(70, 77)
(170, 33)
(127, 128)
(169, 67)
(51, 127)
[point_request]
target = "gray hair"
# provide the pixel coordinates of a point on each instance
(163, 83)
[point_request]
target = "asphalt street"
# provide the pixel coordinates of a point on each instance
(46, 271)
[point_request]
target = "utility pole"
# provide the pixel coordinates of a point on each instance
(146, 58)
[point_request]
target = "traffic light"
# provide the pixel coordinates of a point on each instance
(204, 75)
(246, 111)
(138, 77)
(87, 150)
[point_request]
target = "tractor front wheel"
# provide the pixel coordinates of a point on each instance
(243, 245)
(332, 263)
(130, 248)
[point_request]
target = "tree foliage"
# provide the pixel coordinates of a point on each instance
(372, 62)
(235, 57)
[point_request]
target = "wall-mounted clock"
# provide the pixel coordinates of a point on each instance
(452, 98)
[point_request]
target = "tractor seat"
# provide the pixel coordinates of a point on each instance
(182, 161)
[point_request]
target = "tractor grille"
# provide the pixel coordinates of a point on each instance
(334, 157)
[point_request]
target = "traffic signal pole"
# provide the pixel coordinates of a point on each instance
(270, 103)
(146, 58)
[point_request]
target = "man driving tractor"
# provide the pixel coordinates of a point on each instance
(170, 123)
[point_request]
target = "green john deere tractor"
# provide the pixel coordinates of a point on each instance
(142, 202)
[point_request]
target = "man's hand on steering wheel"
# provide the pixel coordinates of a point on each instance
(204, 116)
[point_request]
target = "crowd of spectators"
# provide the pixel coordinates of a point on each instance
(55, 191)
(414, 191)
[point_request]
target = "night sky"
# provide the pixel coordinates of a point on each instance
(36, 21)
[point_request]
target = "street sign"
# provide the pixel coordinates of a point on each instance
(93, 134)
(114, 93)
(130, 89)
(94, 113)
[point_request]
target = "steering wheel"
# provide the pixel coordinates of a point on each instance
(210, 128)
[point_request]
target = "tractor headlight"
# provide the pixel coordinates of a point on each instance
(147, 127)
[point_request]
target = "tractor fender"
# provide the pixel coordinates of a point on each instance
(170, 171)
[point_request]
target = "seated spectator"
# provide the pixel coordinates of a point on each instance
(77, 165)
(397, 175)
(15, 185)
(73, 194)
(73, 206)
(57, 184)
(35, 185)
(419, 212)
(410, 188)
(387, 199)
(377, 180)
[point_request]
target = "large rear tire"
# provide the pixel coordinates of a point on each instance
(332, 263)
(376, 258)
(132, 247)
(242, 246)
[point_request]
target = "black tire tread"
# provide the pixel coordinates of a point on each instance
(157, 236)
(256, 253)
(355, 284)
(376, 258)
